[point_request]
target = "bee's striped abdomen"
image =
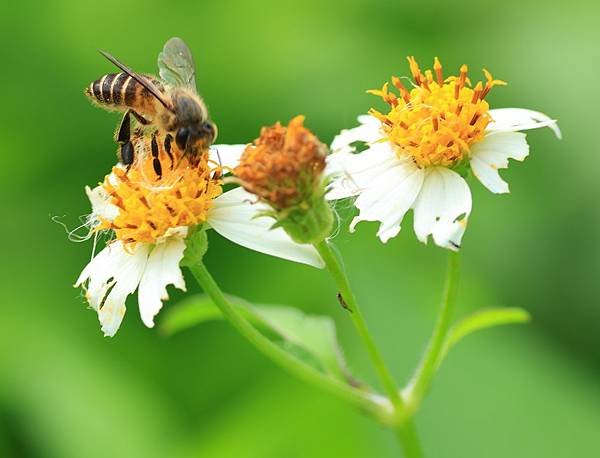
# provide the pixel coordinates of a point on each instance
(112, 89)
(121, 91)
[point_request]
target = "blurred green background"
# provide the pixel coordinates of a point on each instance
(524, 391)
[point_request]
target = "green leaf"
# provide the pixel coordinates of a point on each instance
(314, 334)
(198, 309)
(482, 319)
(309, 338)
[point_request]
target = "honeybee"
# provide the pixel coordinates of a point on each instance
(170, 105)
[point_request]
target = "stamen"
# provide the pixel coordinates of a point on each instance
(383, 118)
(403, 91)
(437, 66)
(464, 70)
(476, 92)
(429, 76)
(485, 91)
(391, 99)
(414, 69)
(490, 83)
(118, 201)
(144, 201)
(437, 121)
(148, 208)
(171, 210)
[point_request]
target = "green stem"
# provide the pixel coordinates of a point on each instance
(334, 266)
(407, 436)
(421, 380)
(403, 425)
(362, 400)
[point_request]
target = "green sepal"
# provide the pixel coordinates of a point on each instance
(196, 245)
(308, 222)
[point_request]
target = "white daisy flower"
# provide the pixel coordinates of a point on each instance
(417, 154)
(150, 217)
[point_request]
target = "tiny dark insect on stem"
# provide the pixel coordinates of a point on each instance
(342, 302)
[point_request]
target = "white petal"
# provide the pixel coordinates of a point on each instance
(444, 197)
(353, 173)
(389, 196)
(234, 215)
(368, 120)
(116, 271)
(492, 153)
(112, 312)
(101, 204)
(513, 119)
(98, 274)
(162, 269)
(368, 131)
(227, 156)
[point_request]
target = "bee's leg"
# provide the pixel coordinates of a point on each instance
(127, 155)
(123, 138)
(123, 133)
(167, 146)
(155, 160)
(143, 121)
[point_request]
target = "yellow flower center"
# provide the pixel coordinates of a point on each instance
(438, 120)
(150, 203)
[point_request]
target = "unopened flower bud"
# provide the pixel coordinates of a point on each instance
(284, 168)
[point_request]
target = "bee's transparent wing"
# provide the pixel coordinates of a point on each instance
(176, 64)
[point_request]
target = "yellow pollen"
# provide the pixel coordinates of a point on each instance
(438, 120)
(149, 205)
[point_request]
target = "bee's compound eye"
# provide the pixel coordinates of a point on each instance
(210, 129)
(181, 137)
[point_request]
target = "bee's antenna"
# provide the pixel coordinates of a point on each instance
(140, 79)
(219, 156)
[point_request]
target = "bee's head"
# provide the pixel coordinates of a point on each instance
(193, 130)
(194, 138)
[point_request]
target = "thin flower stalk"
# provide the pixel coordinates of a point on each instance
(348, 299)
(403, 424)
(362, 400)
(421, 380)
